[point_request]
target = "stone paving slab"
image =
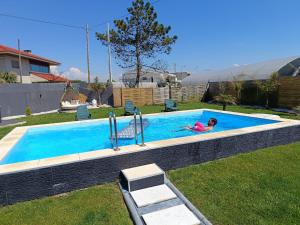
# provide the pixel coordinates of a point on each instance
(159, 206)
(152, 195)
(176, 215)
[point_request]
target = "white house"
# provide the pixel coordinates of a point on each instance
(152, 76)
(34, 68)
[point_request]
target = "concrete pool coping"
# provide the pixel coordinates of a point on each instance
(13, 137)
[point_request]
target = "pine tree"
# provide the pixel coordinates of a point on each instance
(138, 38)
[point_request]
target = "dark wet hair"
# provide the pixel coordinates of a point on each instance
(214, 120)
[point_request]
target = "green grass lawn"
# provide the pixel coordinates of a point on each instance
(257, 188)
(262, 187)
(99, 205)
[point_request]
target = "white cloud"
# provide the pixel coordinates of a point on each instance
(54, 70)
(236, 65)
(74, 73)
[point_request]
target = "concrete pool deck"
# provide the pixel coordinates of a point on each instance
(64, 173)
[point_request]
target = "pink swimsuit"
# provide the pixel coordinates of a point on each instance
(199, 127)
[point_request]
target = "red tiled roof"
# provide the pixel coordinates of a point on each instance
(13, 51)
(49, 77)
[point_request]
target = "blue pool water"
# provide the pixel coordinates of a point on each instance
(51, 141)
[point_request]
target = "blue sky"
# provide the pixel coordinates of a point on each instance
(212, 34)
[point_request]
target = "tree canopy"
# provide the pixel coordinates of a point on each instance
(98, 88)
(269, 86)
(138, 38)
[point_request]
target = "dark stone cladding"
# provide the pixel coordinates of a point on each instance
(37, 183)
(146, 182)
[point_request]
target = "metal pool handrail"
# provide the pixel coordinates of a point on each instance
(139, 113)
(112, 116)
(135, 128)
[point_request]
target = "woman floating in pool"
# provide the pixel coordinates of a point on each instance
(199, 127)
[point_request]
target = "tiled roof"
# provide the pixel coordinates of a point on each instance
(12, 51)
(49, 77)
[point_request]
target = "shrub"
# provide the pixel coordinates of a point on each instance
(269, 86)
(97, 88)
(225, 100)
(297, 109)
(28, 111)
(237, 85)
(82, 98)
(8, 77)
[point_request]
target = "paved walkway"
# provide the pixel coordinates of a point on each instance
(153, 200)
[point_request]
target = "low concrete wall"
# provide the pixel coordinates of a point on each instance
(53, 180)
(14, 98)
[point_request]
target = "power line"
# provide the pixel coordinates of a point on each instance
(41, 21)
(122, 17)
(61, 24)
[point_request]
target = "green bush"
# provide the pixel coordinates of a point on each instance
(297, 109)
(28, 111)
(8, 78)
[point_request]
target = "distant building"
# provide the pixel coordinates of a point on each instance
(152, 76)
(289, 66)
(34, 68)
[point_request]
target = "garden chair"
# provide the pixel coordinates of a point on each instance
(82, 113)
(129, 108)
(170, 105)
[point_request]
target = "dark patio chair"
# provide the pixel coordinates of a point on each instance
(129, 108)
(82, 113)
(170, 105)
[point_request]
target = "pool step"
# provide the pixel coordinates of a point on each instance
(153, 200)
(129, 132)
(142, 177)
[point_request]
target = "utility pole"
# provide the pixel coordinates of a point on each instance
(88, 52)
(20, 62)
(109, 55)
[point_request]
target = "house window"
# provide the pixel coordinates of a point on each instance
(15, 64)
(39, 68)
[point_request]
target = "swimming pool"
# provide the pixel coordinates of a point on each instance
(52, 141)
(45, 160)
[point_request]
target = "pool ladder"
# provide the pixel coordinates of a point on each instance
(138, 113)
(113, 124)
(113, 121)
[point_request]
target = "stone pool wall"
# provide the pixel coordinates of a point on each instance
(37, 183)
